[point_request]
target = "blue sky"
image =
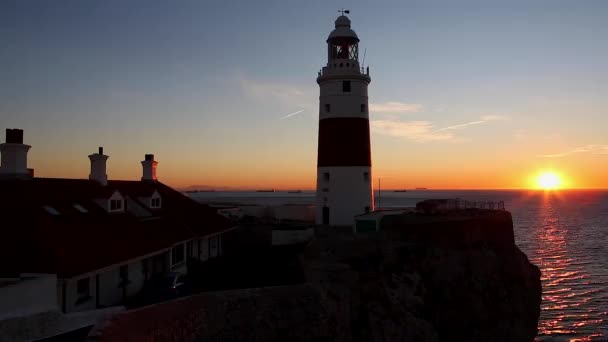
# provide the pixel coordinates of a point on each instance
(471, 87)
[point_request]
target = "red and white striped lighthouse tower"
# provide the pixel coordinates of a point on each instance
(344, 186)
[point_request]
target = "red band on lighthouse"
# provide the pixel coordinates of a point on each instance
(344, 142)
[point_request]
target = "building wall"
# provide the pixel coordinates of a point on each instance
(28, 296)
(72, 302)
(204, 252)
(346, 193)
(110, 293)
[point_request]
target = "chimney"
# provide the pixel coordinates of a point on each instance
(98, 167)
(13, 163)
(149, 168)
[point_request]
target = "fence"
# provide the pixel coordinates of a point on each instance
(463, 204)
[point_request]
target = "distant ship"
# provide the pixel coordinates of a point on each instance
(265, 190)
(422, 188)
(401, 190)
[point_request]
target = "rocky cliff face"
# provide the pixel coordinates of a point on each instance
(456, 277)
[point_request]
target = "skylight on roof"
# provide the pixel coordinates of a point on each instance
(51, 210)
(80, 208)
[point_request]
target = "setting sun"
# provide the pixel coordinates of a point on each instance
(548, 180)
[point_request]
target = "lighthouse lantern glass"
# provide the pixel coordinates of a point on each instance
(344, 48)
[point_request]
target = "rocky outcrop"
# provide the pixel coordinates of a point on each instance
(456, 277)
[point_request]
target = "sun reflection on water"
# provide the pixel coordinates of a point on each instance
(566, 289)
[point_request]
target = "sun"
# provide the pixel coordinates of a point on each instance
(548, 180)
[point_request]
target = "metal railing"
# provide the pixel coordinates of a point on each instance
(463, 204)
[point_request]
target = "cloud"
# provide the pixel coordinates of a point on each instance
(425, 131)
(595, 149)
(284, 94)
(395, 107)
(495, 118)
(483, 119)
(415, 130)
(461, 126)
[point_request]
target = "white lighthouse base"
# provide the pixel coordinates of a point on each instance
(347, 193)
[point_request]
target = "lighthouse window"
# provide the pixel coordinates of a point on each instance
(366, 176)
(326, 176)
(327, 108)
(346, 86)
(362, 108)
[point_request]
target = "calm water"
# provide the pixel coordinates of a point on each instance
(565, 233)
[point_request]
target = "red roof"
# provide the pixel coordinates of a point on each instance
(58, 225)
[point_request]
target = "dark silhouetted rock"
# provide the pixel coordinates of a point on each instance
(456, 277)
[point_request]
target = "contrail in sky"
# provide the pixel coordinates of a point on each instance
(292, 114)
(461, 126)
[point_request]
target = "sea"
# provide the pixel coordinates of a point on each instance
(563, 232)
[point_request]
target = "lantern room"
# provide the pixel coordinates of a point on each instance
(343, 42)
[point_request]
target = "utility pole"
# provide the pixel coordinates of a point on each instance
(378, 199)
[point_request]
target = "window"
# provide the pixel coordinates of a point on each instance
(363, 108)
(366, 176)
(213, 246)
(115, 205)
(326, 176)
(83, 289)
(189, 247)
(327, 108)
(366, 210)
(155, 203)
(144, 268)
(177, 254)
(346, 86)
(325, 190)
(124, 275)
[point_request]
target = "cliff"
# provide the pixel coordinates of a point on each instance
(452, 277)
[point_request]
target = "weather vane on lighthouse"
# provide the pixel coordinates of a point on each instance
(343, 11)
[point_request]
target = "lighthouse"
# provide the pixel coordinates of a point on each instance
(344, 186)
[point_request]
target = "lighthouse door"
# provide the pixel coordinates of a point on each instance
(326, 215)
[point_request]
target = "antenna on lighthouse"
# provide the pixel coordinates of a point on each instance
(364, 53)
(344, 11)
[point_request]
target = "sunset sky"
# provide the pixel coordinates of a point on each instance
(464, 94)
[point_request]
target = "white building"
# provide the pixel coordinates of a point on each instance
(344, 179)
(102, 238)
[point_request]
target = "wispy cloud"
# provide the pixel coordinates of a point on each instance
(483, 119)
(283, 94)
(595, 149)
(424, 131)
(292, 114)
(460, 126)
(495, 118)
(415, 130)
(395, 107)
